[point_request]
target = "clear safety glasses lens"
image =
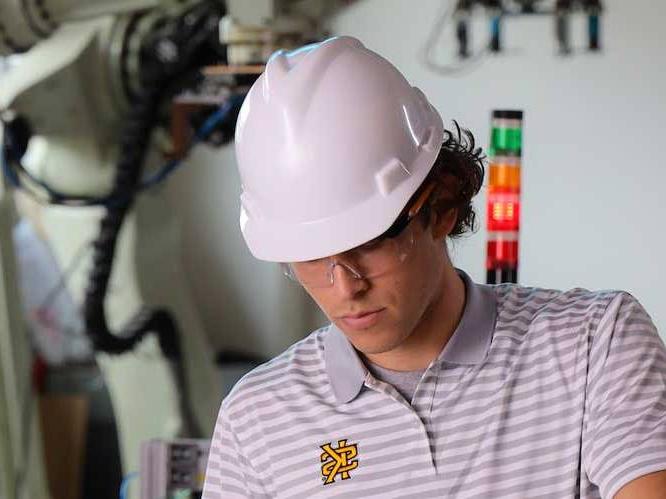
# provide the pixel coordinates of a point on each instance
(367, 261)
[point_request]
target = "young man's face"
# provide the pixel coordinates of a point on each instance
(395, 302)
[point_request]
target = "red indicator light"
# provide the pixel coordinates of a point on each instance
(502, 252)
(503, 211)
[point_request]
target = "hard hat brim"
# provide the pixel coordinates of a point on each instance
(273, 241)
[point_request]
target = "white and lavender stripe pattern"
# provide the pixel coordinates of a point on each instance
(539, 393)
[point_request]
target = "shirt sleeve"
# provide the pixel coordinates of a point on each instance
(624, 428)
(229, 474)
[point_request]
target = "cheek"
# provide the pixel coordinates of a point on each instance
(406, 296)
(416, 284)
(322, 301)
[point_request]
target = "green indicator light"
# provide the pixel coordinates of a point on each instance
(506, 139)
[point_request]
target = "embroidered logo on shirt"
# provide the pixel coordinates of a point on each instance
(338, 461)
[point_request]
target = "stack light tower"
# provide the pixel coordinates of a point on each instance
(503, 213)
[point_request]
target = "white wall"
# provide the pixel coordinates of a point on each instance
(245, 304)
(594, 174)
(593, 167)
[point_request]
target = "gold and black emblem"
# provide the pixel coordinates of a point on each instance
(338, 461)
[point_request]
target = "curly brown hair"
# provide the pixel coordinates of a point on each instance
(457, 174)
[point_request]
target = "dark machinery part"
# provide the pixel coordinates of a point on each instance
(496, 10)
(502, 275)
(562, 13)
(18, 132)
(463, 13)
(593, 9)
(495, 30)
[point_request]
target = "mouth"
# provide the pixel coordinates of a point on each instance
(362, 320)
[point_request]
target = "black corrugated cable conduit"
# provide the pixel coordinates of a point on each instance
(189, 33)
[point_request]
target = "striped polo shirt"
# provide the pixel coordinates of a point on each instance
(538, 393)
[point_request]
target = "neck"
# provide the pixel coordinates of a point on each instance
(432, 333)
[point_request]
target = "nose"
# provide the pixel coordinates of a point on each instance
(347, 281)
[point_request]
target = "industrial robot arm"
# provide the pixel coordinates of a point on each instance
(95, 87)
(90, 93)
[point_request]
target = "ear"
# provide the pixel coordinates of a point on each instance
(443, 222)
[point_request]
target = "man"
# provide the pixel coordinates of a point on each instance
(425, 384)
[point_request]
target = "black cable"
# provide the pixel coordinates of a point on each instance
(193, 34)
(7, 145)
(134, 144)
(562, 34)
(194, 37)
(12, 164)
(188, 34)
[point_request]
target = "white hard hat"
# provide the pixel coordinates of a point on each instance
(331, 143)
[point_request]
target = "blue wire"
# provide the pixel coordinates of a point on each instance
(201, 134)
(593, 25)
(495, 26)
(215, 118)
(8, 172)
(124, 486)
(11, 175)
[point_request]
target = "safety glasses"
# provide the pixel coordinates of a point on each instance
(377, 257)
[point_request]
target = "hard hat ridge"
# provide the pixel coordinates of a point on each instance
(331, 143)
(292, 77)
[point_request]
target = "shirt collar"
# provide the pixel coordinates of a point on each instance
(468, 345)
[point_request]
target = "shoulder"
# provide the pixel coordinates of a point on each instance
(533, 302)
(626, 330)
(299, 367)
(528, 297)
(521, 309)
(578, 326)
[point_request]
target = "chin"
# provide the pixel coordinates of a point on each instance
(370, 342)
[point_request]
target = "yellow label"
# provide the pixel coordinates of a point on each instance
(338, 461)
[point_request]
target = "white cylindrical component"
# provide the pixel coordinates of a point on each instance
(73, 10)
(23, 23)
